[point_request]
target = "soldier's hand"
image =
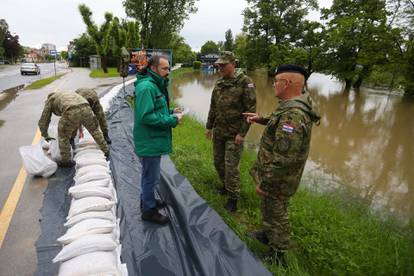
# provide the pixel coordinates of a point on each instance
(260, 192)
(239, 140)
(209, 134)
(251, 117)
(48, 138)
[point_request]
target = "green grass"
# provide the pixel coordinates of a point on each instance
(333, 235)
(1, 123)
(43, 82)
(99, 73)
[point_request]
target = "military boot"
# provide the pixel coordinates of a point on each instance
(66, 164)
(154, 216)
(231, 205)
(259, 235)
(280, 258)
(159, 204)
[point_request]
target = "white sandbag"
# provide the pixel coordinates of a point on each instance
(36, 162)
(54, 150)
(90, 203)
(81, 191)
(96, 183)
(90, 153)
(80, 148)
(90, 169)
(86, 244)
(44, 143)
(87, 227)
(95, 263)
(98, 175)
(84, 162)
(108, 215)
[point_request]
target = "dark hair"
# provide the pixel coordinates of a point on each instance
(155, 60)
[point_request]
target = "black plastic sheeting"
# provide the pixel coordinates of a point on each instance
(195, 242)
(55, 208)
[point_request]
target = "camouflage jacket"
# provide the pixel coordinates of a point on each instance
(284, 146)
(230, 98)
(92, 97)
(58, 103)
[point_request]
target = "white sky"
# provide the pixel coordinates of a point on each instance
(58, 21)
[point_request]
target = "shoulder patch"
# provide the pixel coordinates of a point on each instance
(251, 85)
(288, 128)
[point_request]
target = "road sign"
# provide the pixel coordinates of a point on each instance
(52, 52)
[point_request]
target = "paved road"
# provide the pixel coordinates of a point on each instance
(20, 116)
(10, 74)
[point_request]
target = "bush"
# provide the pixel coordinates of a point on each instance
(197, 65)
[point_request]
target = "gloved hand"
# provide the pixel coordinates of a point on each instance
(48, 138)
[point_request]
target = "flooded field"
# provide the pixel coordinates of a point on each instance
(363, 145)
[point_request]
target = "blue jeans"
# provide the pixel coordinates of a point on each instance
(149, 180)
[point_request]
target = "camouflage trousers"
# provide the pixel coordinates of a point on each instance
(70, 121)
(226, 161)
(276, 221)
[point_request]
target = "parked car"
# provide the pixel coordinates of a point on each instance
(29, 68)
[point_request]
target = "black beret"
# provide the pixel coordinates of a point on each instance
(291, 68)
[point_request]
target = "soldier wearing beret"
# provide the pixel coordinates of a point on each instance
(282, 155)
(233, 94)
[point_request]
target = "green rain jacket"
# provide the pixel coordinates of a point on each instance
(153, 121)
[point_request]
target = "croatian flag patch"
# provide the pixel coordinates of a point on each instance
(288, 128)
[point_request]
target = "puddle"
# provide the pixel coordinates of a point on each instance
(8, 95)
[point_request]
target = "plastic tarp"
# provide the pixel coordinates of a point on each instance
(195, 242)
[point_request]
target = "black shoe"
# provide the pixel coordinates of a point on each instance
(231, 205)
(154, 216)
(66, 164)
(280, 258)
(159, 204)
(259, 235)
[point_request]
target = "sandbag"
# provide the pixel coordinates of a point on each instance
(96, 183)
(54, 150)
(95, 263)
(84, 162)
(86, 244)
(81, 191)
(87, 227)
(80, 148)
(108, 215)
(90, 203)
(90, 153)
(90, 169)
(99, 175)
(36, 162)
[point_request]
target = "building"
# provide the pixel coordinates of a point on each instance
(46, 48)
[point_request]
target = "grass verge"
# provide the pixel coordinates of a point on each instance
(333, 236)
(43, 82)
(99, 73)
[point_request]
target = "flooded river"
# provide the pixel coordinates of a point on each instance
(364, 144)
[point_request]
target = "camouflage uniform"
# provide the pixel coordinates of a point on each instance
(282, 155)
(74, 111)
(230, 98)
(92, 97)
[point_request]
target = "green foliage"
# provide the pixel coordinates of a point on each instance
(334, 236)
(4, 28)
(43, 82)
(100, 73)
(84, 47)
(64, 55)
(209, 47)
(240, 49)
(228, 42)
(196, 65)
(159, 19)
(182, 52)
(101, 36)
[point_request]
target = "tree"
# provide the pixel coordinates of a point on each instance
(119, 38)
(270, 23)
(64, 55)
(12, 47)
(209, 47)
(159, 19)
(182, 52)
(4, 28)
(229, 43)
(132, 28)
(240, 49)
(99, 35)
(357, 38)
(84, 46)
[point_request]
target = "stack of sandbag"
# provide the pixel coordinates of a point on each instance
(91, 242)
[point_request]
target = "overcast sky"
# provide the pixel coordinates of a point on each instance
(58, 21)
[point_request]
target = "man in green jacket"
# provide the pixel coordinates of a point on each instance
(152, 131)
(282, 155)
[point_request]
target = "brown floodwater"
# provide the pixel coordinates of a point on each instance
(363, 146)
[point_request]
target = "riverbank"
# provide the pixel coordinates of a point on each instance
(332, 235)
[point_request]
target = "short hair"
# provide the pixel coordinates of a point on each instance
(155, 60)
